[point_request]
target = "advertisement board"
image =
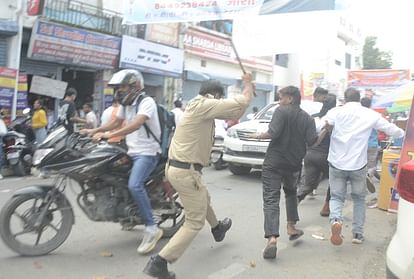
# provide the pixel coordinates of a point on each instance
(68, 45)
(7, 85)
(151, 57)
(210, 45)
(48, 87)
(378, 82)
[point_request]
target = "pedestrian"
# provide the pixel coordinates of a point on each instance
(351, 126)
(189, 153)
(39, 121)
(290, 130)
(314, 108)
(138, 112)
(372, 154)
(67, 109)
(253, 114)
(178, 111)
(90, 121)
(316, 159)
(110, 114)
(3, 132)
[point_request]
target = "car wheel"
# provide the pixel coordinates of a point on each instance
(239, 170)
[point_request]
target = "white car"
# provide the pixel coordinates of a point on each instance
(244, 153)
(400, 252)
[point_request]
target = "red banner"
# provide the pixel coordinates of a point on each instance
(378, 78)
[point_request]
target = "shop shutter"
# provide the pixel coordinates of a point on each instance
(3, 51)
(37, 67)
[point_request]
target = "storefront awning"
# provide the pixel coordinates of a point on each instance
(8, 27)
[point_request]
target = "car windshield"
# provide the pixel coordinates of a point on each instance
(267, 113)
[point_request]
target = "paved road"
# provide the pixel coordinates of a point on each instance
(238, 256)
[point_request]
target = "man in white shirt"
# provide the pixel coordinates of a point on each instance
(141, 126)
(90, 116)
(178, 111)
(352, 126)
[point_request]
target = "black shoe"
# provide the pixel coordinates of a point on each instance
(219, 231)
(157, 267)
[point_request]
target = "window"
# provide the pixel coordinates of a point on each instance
(282, 60)
(222, 26)
(337, 62)
(348, 61)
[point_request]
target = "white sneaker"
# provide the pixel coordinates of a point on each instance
(1, 176)
(149, 241)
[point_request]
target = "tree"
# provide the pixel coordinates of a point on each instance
(373, 58)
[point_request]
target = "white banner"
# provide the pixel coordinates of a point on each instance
(285, 33)
(144, 12)
(151, 57)
(48, 87)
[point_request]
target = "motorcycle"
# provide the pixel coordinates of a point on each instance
(216, 156)
(19, 144)
(101, 173)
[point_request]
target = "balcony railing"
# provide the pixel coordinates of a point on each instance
(83, 15)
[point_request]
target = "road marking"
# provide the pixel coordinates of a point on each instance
(5, 191)
(229, 272)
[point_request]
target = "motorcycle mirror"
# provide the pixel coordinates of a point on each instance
(26, 111)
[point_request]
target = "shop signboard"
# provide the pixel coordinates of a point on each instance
(7, 86)
(48, 87)
(68, 45)
(214, 46)
(22, 94)
(151, 57)
(166, 34)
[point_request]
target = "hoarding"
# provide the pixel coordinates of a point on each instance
(68, 45)
(151, 57)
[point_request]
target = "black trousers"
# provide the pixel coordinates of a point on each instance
(316, 168)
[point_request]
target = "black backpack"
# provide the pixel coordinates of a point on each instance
(167, 125)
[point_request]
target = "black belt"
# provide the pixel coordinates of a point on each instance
(183, 165)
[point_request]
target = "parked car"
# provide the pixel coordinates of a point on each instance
(400, 252)
(244, 153)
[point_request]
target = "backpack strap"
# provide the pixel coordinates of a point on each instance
(147, 129)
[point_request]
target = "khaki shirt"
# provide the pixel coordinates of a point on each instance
(194, 135)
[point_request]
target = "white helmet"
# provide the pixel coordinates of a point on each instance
(133, 79)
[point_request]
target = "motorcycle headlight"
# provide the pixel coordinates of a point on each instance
(40, 154)
(231, 132)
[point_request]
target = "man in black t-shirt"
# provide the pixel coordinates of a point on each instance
(67, 109)
(290, 130)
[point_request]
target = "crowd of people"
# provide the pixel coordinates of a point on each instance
(338, 143)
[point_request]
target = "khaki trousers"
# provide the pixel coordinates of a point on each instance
(196, 201)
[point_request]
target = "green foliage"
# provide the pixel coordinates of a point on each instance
(373, 58)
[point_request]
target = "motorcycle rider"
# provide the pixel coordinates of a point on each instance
(143, 149)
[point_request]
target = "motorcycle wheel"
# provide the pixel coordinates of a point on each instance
(19, 169)
(171, 225)
(20, 233)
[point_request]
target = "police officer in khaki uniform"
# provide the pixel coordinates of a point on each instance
(189, 152)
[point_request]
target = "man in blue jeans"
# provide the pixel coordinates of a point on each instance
(352, 125)
(140, 115)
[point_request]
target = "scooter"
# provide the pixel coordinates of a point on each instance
(18, 145)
